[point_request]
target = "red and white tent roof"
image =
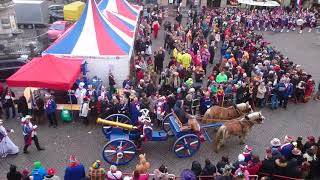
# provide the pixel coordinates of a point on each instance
(93, 36)
(123, 9)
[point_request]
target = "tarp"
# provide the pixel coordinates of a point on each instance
(73, 11)
(260, 3)
(122, 7)
(47, 72)
(92, 36)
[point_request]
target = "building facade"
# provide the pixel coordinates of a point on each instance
(8, 24)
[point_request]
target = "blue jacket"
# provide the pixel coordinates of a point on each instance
(39, 173)
(135, 113)
(289, 90)
(75, 173)
(51, 107)
(286, 150)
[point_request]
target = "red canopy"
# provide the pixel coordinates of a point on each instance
(47, 72)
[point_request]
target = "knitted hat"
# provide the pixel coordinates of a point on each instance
(96, 164)
(51, 171)
(37, 164)
(241, 158)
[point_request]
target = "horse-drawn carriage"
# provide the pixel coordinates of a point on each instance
(124, 137)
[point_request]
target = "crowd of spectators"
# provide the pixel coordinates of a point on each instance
(290, 158)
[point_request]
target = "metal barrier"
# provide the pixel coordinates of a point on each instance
(174, 177)
(279, 177)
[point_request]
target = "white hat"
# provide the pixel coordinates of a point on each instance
(138, 67)
(241, 158)
(81, 84)
(1, 121)
(191, 90)
(275, 142)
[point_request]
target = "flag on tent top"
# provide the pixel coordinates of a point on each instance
(121, 7)
(93, 35)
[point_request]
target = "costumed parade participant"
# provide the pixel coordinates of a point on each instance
(135, 111)
(247, 153)
(287, 146)
(75, 170)
(6, 145)
(161, 109)
(91, 93)
(29, 133)
(205, 103)
(80, 93)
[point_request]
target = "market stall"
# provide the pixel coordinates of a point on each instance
(103, 44)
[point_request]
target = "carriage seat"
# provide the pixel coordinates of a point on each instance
(151, 135)
(176, 126)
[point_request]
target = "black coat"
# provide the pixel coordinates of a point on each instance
(22, 105)
(220, 166)
(268, 166)
(293, 169)
(14, 175)
(208, 170)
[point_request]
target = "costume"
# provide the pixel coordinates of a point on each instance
(96, 172)
(6, 145)
(287, 147)
(135, 112)
(160, 108)
(29, 134)
(205, 104)
(80, 93)
(75, 170)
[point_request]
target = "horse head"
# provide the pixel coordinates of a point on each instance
(244, 107)
(255, 117)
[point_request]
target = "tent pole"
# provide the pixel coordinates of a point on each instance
(70, 101)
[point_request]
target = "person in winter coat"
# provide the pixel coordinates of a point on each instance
(51, 175)
(13, 174)
(38, 172)
(208, 170)
(51, 108)
(158, 61)
(161, 173)
(22, 106)
(281, 166)
(8, 104)
(254, 165)
(296, 154)
(114, 173)
(75, 170)
(196, 168)
(293, 169)
(84, 110)
(261, 94)
(287, 147)
(155, 27)
(268, 164)
(222, 163)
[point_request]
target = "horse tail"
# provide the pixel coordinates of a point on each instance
(220, 135)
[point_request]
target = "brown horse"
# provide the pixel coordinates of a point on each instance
(222, 114)
(237, 127)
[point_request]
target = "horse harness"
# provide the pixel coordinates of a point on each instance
(242, 124)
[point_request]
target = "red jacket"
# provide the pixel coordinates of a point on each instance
(253, 168)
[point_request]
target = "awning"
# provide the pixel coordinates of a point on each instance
(47, 72)
(260, 3)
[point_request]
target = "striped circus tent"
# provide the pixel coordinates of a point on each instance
(121, 9)
(94, 35)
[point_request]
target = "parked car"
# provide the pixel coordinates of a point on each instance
(55, 12)
(57, 29)
(9, 67)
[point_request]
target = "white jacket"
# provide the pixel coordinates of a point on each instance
(84, 109)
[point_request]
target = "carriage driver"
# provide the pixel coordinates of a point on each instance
(186, 119)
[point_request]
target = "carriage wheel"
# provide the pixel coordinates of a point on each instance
(119, 151)
(186, 146)
(166, 125)
(116, 118)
